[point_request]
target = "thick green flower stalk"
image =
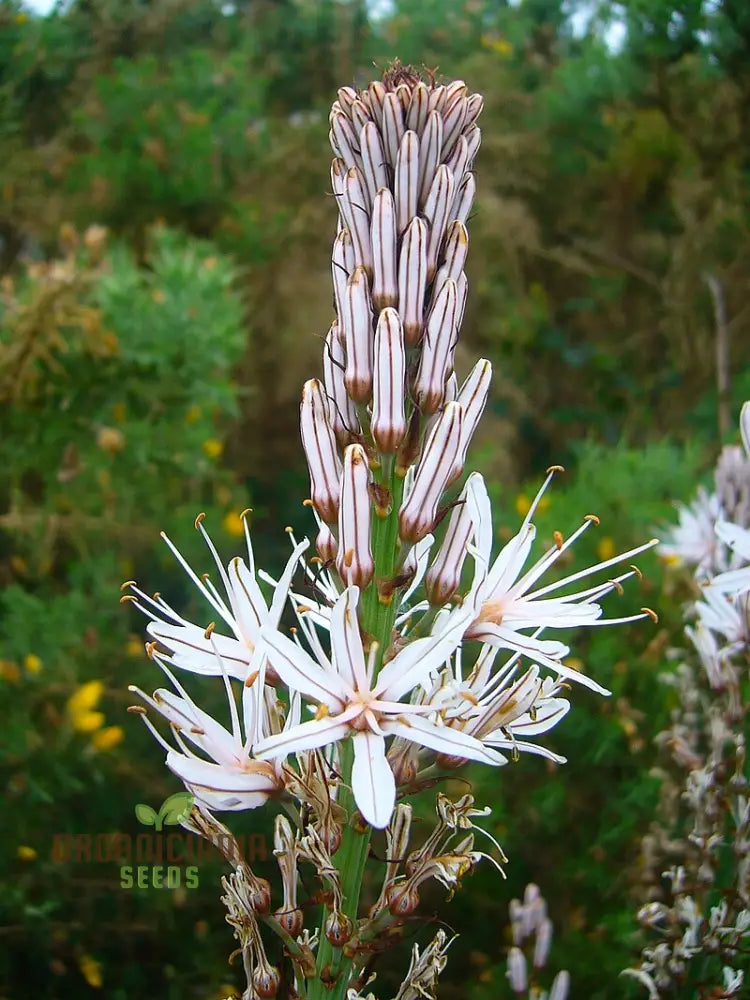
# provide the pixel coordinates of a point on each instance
(413, 650)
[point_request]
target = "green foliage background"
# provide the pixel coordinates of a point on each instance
(164, 240)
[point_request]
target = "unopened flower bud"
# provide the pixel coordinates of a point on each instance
(456, 249)
(560, 986)
(342, 265)
(342, 412)
(358, 218)
(357, 322)
(444, 575)
(436, 211)
(393, 126)
(418, 512)
(407, 180)
(433, 371)
(319, 443)
(517, 970)
(542, 943)
(354, 560)
(326, 544)
(412, 281)
(373, 160)
(430, 148)
(384, 282)
(464, 199)
(473, 398)
(388, 424)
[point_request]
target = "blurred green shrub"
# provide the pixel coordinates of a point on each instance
(116, 393)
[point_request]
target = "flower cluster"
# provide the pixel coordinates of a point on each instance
(393, 665)
(531, 929)
(699, 910)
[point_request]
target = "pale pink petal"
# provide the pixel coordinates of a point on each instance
(307, 736)
(192, 651)
(298, 669)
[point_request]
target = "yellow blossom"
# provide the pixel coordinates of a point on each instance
(87, 722)
(85, 698)
(91, 970)
(193, 415)
(32, 663)
(605, 548)
(108, 738)
(25, 853)
(212, 448)
(523, 504)
(119, 412)
(233, 524)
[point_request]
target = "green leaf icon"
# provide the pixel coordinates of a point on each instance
(176, 808)
(145, 814)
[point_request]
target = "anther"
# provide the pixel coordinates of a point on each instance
(136, 710)
(618, 587)
(128, 597)
(636, 571)
(151, 649)
(246, 513)
(251, 678)
(322, 712)
(128, 583)
(199, 519)
(652, 615)
(307, 503)
(558, 537)
(593, 518)
(555, 468)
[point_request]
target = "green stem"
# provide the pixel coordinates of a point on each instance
(333, 967)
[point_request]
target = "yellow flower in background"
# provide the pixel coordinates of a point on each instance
(193, 415)
(87, 722)
(605, 548)
(523, 504)
(25, 853)
(213, 448)
(32, 663)
(108, 738)
(233, 524)
(91, 970)
(80, 707)
(119, 412)
(85, 698)
(110, 439)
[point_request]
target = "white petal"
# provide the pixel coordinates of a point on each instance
(194, 652)
(443, 739)
(298, 669)
(346, 642)
(373, 784)
(307, 736)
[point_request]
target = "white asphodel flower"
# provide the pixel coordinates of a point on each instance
(244, 611)
(499, 707)
(733, 582)
(509, 603)
(224, 774)
(352, 702)
(692, 540)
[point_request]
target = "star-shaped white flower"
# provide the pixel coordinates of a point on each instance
(243, 610)
(509, 602)
(224, 774)
(353, 702)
